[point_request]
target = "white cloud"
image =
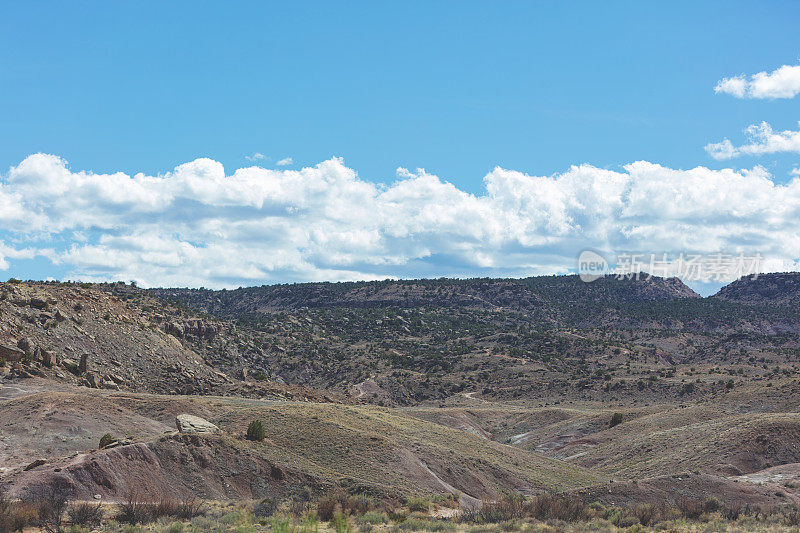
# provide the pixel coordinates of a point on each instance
(762, 140)
(286, 161)
(255, 157)
(783, 82)
(9, 252)
(198, 225)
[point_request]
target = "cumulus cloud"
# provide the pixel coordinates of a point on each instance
(198, 225)
(285, 162)
(10, 252)
(255, 157)
(762, 140)
(783, 82)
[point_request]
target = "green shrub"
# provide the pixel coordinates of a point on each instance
(107, 439)
(616, 419)
(255, 431)
(360, 504)
(418, 504)
(373, 518)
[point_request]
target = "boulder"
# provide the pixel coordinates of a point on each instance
(197, 328)
(120, 442)
(48, 358)
(194, 424)
(11, 354)
(91, 379)
(175, 329)
(36, 463)
(38, 303)
(24, 345)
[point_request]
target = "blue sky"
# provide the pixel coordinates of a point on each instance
(456, 88)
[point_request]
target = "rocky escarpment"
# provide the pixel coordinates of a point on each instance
(196, 327)
(81, 335)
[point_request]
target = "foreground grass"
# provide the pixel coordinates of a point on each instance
(243, 522)
(340, 511)
(248, 517)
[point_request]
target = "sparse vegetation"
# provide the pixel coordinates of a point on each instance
(107, 439)
(519, 362)
(418, 504)
(85, 514)
(511, 512)
(136, 510)
(51, 504)
(256, 431)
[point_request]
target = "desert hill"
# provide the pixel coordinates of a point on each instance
(773, 289)
(308, 446)
(467, 387)
(544, 293)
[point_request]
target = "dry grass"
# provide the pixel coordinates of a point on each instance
(86, 514)
(136, 510)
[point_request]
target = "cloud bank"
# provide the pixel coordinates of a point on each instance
(199, 226)
(783, 82)
(762, 140)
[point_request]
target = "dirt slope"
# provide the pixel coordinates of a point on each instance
(669, 490)
(316, 445)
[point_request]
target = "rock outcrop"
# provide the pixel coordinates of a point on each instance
(11, 353)
(198, 328)
(194, 424)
